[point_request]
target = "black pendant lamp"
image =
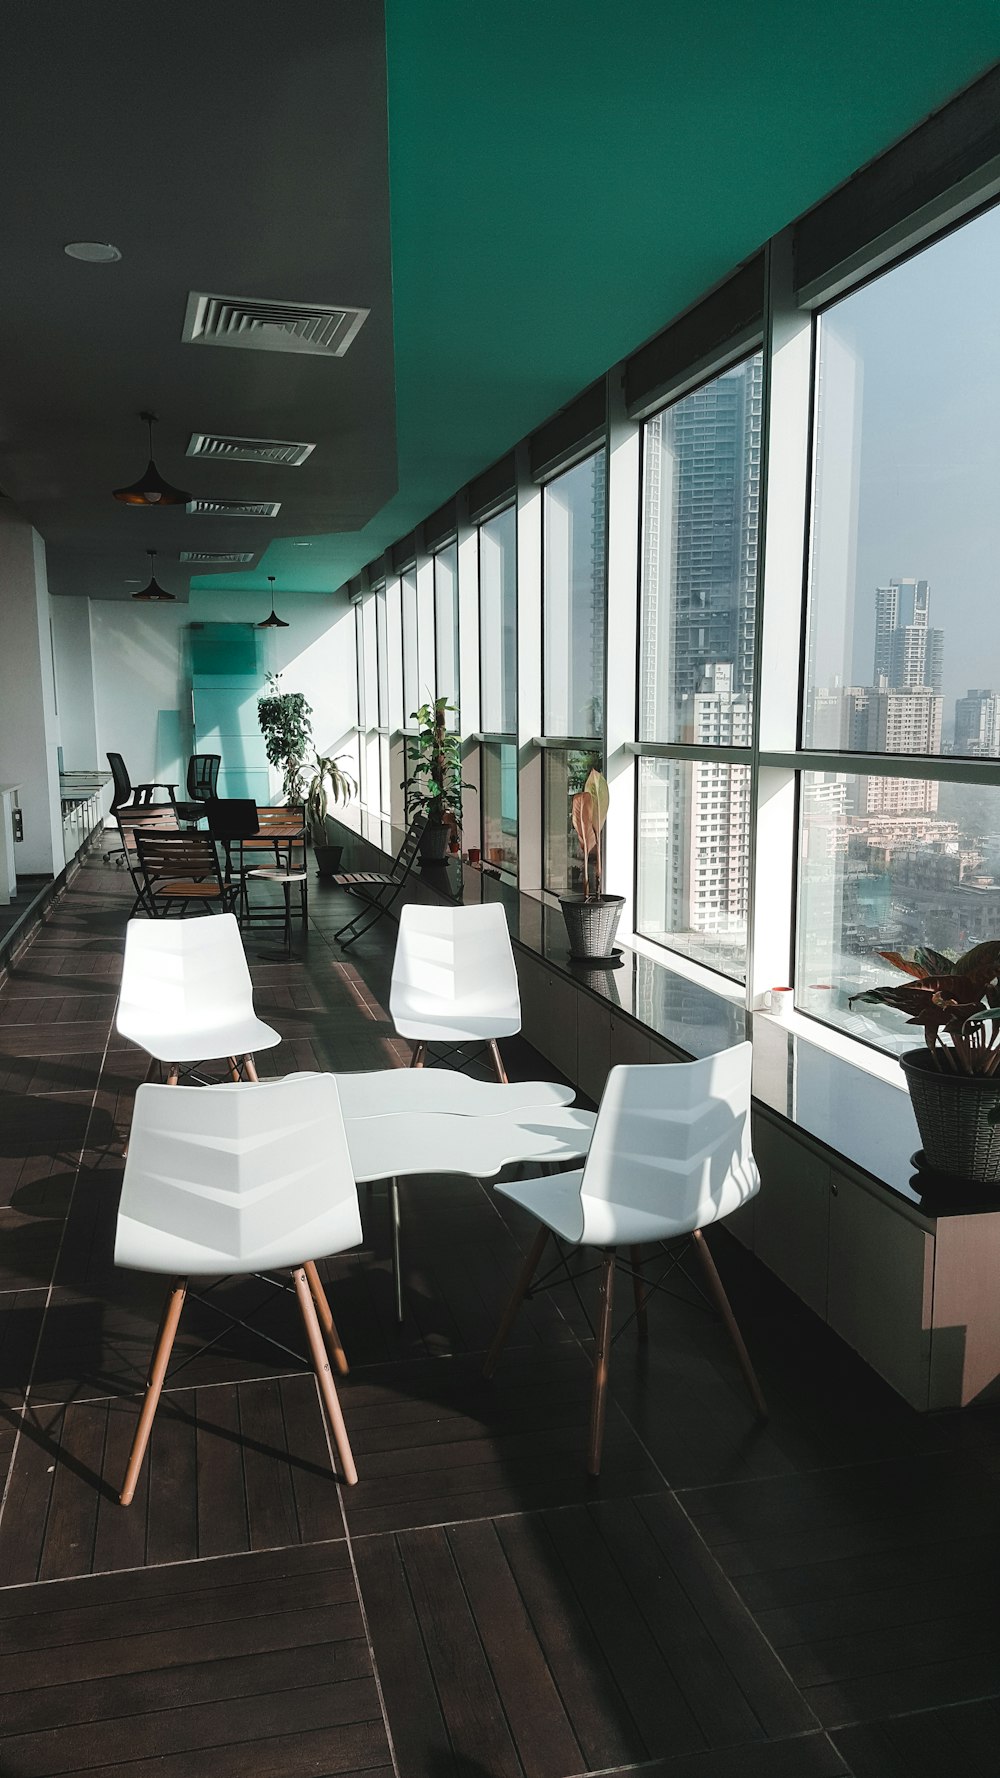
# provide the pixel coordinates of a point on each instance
(154, 592)
(151, 489)
(273, 622)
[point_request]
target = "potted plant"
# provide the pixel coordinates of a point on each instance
(287, 731)
(434, 786)
(329, 784)
(591, 919)
(954, 1080)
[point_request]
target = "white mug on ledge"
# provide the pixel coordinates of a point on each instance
(779, 1001)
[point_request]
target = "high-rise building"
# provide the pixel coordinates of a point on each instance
(700, 541)
(901, 722)
(977, 725)
(908, 653)
(708, 845)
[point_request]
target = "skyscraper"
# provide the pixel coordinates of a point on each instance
(908, 653)
(702, 514)
(977, 725)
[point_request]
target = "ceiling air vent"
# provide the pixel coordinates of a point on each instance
(236, 509)
(217, 557)
(325, 329)
(248, 450)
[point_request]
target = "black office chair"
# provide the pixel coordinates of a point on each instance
(202, 778)
(132, 796)
(135, 803)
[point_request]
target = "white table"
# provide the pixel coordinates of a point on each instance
(392, 1147)
(402, 1091)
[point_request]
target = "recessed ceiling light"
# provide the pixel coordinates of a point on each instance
(301, 543)
(94, 252)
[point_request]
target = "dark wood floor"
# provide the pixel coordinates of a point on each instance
(808, 1598)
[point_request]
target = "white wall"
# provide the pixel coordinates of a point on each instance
(74, 683)
(29, 731)
(142, 691)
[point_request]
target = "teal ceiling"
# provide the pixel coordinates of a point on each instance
(567, 176)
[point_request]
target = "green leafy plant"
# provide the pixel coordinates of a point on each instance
(287, 731)
(589, 811)
(956, 1000)
(329, 784)
(434, 785)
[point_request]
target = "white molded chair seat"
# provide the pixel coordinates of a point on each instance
(670, 1155)
(186, 992)
(236, 1179)
(453, 977)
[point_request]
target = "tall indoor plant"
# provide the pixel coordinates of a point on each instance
(329, 784)
(434, 784)
(954, 1080)
(591, 918)
(287, 731)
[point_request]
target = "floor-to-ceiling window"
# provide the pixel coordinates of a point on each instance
(700, 525)
(446, 635)
(902, 653)
(574, 576)
(498, 688)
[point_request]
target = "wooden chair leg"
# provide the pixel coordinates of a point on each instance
(524, 1277)
(249, 1068)
(417, 1058)
(324, 1375)
(724, 1307)
(234, 1068)
(157, 1372)
(602, 1361)
(172, 1073)
(397, 1259)
(326, 1321)
(501, 1072)
(638, 1285)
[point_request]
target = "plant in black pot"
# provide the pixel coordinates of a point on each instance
(434, 786)
(330, 784)
(954, 1080)
(287, 731)
(591, 919)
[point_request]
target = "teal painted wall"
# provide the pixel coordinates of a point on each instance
(566, 177)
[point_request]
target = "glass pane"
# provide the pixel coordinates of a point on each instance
(573, 599)
(498, 622)
(886, 864)
(446, 625)
(693, 860)
(384, 773)
(565, 773)
(906, 524)
(370, 661)
(411, 698)
(701, 512)
(498, 798)
(382, 644)
(359, 664)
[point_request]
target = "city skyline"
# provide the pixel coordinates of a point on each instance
(908, 458)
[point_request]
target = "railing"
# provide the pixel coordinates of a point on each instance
(80, 800)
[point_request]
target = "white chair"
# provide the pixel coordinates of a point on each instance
(186, 995)
(670, 1154)
(454, 980)
(228, 1180)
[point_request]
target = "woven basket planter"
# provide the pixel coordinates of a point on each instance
(592, 924)
(953, 1113)
(434, 843)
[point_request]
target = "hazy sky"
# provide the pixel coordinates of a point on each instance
(927, 336)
